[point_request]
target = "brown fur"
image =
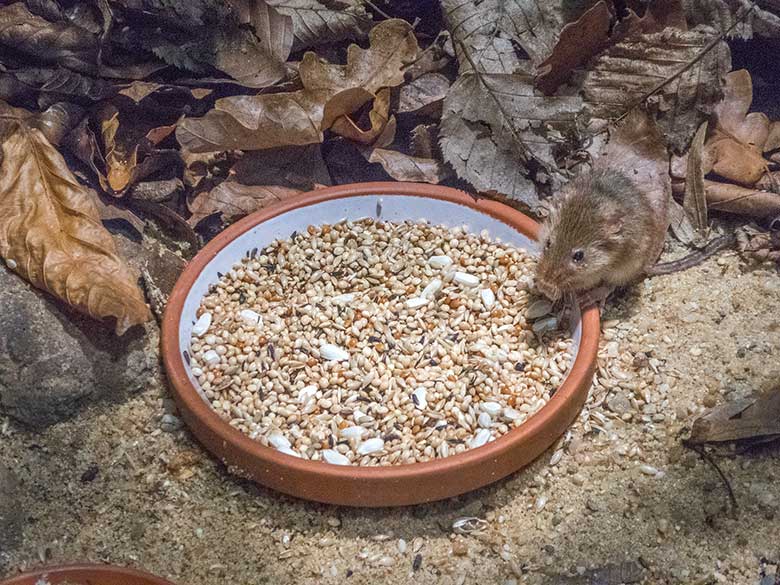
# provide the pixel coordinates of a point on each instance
(604, 214)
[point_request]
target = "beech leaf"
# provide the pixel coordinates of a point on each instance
(50, 230)
(631, 69)
(298, 118)
(316, 23)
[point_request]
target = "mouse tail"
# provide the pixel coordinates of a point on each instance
(694, 258)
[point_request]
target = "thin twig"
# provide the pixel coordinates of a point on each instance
(378, 10)
(708, 458)
(708, 47)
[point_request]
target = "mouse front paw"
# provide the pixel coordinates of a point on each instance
(595, 296)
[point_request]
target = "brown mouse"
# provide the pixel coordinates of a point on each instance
(604, 232)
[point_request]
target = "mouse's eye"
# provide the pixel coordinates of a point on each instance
(578, 256)
(547, 245)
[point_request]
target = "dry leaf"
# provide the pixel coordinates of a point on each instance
(579, 41)
(680, 223)
(773, 138)
(628, 71)
(737, 143)
(494, 128)
(403, 167)
(378, 118)
(254, 58)
(233, 200)
(298, 118)
(261, 178)
(50, 230)
(741, 200)
(747, 419)
(423, 95)
(316, 23)
(488, 27)
(593, 32)
(695, 201)
(112, 211)
(485, 144)
(723, 14)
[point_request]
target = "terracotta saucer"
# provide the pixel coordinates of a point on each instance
(86, 575)
(351, 485)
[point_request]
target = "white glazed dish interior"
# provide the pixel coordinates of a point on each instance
(385, 207)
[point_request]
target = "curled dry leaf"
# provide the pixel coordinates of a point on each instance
(50, 230)
(378, 117)
(747, 419)
(741, 200)
(403, 167)
(630, 70)
(737, 143)
(259, 179)
(695, 201)
(315, 23)
(298, 118)
(579, 41)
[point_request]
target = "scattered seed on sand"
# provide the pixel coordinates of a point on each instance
(377, 343)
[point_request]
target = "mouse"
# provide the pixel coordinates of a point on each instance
(604, 231)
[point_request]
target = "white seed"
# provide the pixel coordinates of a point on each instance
(544, 325)
(401, 545)
(484, 420)
(492, 408)
(556, 457)
(416, 302)
(511, 414)
(466, 279)
(288, 451)
(343, 299)
(279, 441)
(333, 353)
(538, 309)
(482, 437)
(334, 457)
(354, 432)
(371, 446)
(307, 393)
(419, 398)
(540, 502)
(250, 317)
(440, 261)
(648, 469)
(211, 357)
(11, 263)
(488, 298)
(202, 324)
(433, 287)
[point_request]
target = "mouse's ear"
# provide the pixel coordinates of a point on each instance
(614, 224)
